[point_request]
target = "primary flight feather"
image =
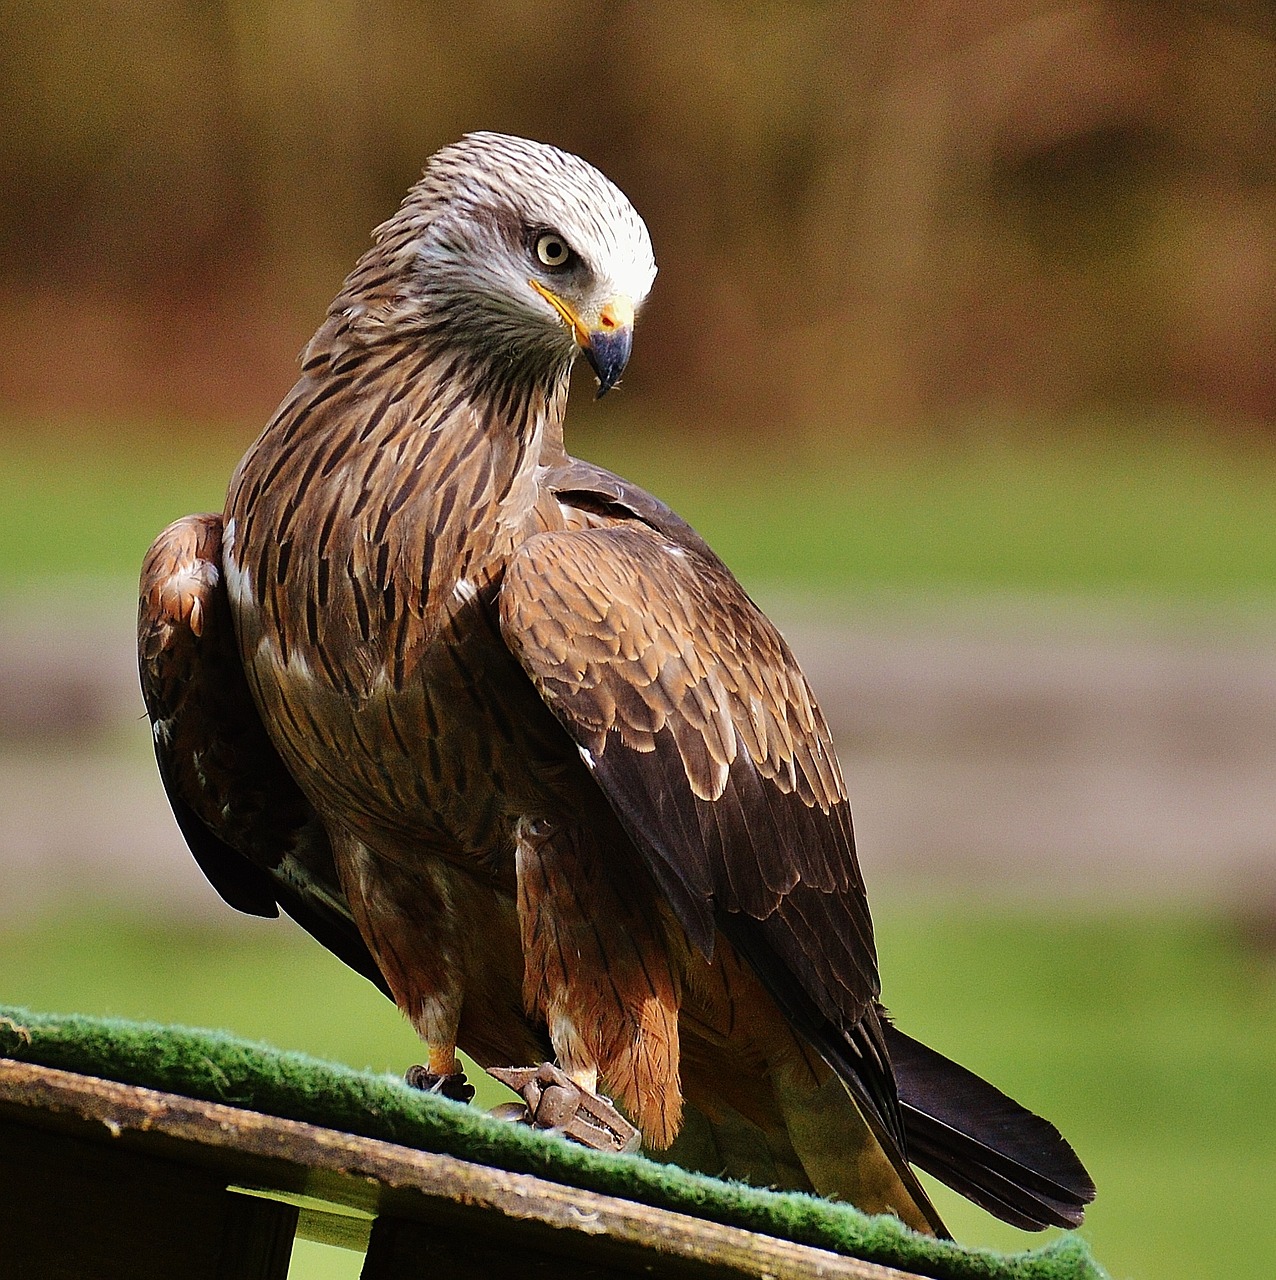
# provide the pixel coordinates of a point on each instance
(500, 729)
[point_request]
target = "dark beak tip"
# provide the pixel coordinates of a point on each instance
(605, 384)
(608, 354)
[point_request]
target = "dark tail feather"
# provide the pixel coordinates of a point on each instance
(983, 1144)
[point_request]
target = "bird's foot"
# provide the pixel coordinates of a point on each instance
(557, 1103)
(454, 1086)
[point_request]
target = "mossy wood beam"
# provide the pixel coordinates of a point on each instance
(100, 1179)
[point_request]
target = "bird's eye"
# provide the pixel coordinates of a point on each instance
(552, 250)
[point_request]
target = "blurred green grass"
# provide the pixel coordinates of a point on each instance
(1147, 1036)
(1162, 511)
(1165, 513)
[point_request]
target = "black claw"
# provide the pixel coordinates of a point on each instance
(454, 1086)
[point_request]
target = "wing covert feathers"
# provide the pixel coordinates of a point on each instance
(691, 713)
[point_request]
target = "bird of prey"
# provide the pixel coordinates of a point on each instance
(500, 730)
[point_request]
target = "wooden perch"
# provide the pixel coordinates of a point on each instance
(109, 1181)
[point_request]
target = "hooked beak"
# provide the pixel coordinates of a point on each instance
(606, 338)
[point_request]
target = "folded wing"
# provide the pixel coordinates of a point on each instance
(690, 712)
(252, 831)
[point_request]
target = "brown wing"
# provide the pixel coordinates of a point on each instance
(252, 831)
(958, 1127)
(693, 717)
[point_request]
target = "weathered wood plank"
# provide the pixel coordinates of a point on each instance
(74, 1209)
(527, 1217)
(257, 1237)
(398, 1247)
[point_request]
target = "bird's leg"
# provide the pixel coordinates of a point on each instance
(436, 1015)
(418, 943)
(595, 969)
(450, 1082)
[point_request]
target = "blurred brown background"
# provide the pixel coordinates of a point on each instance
(874, 213)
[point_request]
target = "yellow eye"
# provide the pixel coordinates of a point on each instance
(552, 250)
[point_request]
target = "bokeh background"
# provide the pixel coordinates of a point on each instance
(962, 353)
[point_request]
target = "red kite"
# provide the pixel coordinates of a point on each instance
(500, 729)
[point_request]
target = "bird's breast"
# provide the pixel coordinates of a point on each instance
(363, 607)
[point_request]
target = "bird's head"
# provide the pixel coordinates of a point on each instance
(514, 251)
